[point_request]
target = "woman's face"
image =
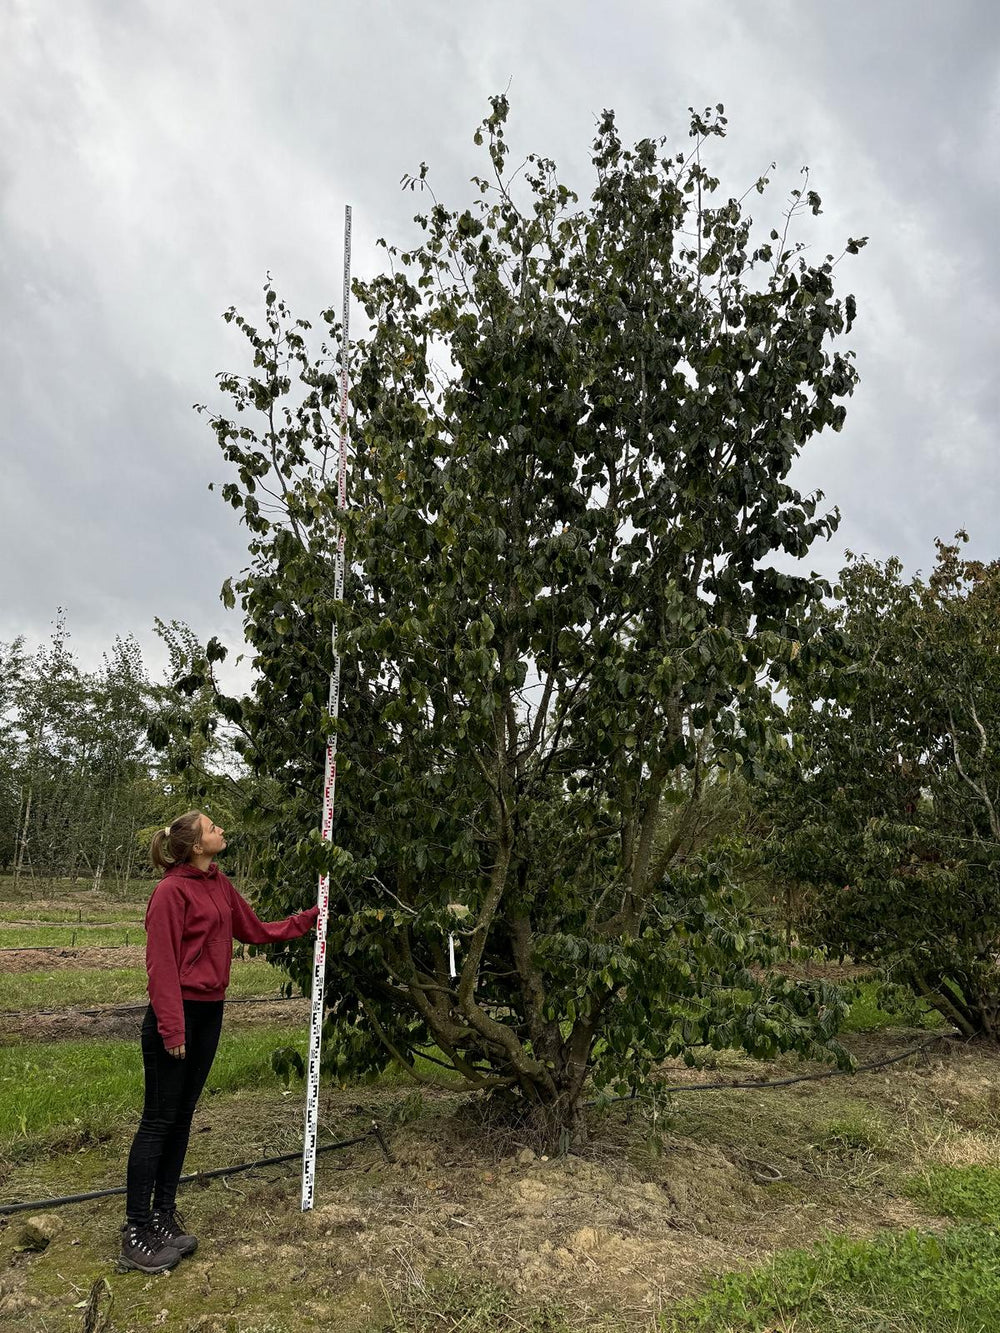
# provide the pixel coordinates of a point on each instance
(212, 838)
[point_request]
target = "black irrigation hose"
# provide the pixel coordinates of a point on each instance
(6, 1209)
(136, 1008)
(781, 1082)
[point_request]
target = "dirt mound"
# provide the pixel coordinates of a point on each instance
(591, 1233)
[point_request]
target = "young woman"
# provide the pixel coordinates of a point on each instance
(192, 919)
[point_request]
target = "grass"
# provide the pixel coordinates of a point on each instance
(70, 936)
(780, 1126)
(80, 1088)
(240, 1222)
(877, 1005)
(909, 1282)
(963, 1192)
(90, 987)
(78, 891)
(389, 1253)
(856, 1131)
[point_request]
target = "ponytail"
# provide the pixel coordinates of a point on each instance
(175, 843)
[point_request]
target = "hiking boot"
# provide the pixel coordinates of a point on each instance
(167, 1226)
(146, 1252)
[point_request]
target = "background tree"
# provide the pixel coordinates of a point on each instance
(12, 666)
(889, 812)
(49, 700)
(573, 429)
(117, 759)
(77, 779)
(200, 764)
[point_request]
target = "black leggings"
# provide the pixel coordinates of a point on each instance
(172, 1090)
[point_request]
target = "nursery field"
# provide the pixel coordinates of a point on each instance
(865, 1202)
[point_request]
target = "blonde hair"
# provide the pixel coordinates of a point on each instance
(175, 843)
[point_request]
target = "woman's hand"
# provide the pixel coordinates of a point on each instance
(176, 1051)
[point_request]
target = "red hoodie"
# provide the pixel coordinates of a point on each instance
(191, 921)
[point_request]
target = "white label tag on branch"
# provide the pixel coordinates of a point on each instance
(451, 954)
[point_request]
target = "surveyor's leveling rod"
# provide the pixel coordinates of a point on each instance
(330, 773)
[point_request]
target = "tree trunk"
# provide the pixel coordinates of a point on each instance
(23, 840)
(559, 1126)
(947, 1007)
(125, 871)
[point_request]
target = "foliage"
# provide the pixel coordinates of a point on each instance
(82, 787)
(286, 1061)
(889, 809)
(562, 624)
(11, 670)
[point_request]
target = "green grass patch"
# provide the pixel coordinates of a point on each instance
(782, 1126)
(962, 1192)
(879, 1005)
(69, 936)
(856, 1131)
(87, 987)
(911, 1282)
(79, 891)
(84, 1087)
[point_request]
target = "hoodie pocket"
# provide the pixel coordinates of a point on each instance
(191, 962)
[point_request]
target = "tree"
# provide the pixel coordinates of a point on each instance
(202, 766)
(75, 767)
(890, 812)
(50, 699)
(119, 696)
(572, 433)
(12, 668)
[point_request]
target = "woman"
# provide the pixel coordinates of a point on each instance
(192, 919)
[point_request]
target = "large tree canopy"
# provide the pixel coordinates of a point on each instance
(891, 813)
(572, 431)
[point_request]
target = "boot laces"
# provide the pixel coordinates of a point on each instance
(139, 1238)
(167, 1222)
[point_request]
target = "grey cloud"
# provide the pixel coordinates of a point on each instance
(156, 161)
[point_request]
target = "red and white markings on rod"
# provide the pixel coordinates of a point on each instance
(329, 781)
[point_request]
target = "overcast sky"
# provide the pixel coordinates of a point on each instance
(157, 159)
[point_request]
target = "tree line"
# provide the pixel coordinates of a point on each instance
(81, 786)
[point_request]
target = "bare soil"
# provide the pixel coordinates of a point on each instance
(816, 968)
(74, 1024)
(71, 958)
